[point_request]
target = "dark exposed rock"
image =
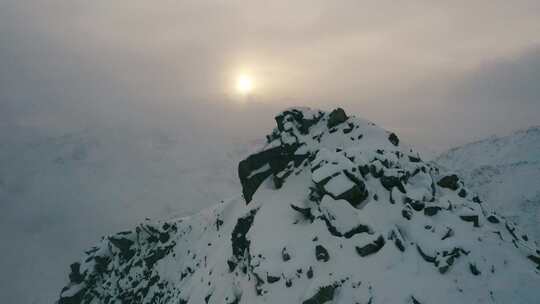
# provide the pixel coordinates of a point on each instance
(323, 295)
(238, 236)
(356, 195)
(305, 212)
(393, 139)
(232, 265)
(276, 159)
(348, 234)
(415, 301)
(406, 213)
(272, 279)
(535, 259)
(288, 283)
(425, 256)
(417, 205)
(75, 275)
(309, 273)
(431, 210)
(76, 298)
(470, 218)
(321, 253)
(462, 193)
(449, 182)
(349, 128)
(390, 182)
(371, 248)
(156, 255)
(445, 260)
(123, 245)
(303, 124)
(414, 159)
(397, 237)
(285, 255)
(449, 233)
(493, 219)
(474, 270)
(336, 117)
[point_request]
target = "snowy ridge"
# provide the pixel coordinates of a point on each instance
(334, 210)
(504, 171)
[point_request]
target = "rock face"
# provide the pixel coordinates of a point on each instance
(334, 210)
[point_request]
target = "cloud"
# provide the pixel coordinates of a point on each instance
(142, 87)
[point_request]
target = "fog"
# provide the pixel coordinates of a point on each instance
(111, 112)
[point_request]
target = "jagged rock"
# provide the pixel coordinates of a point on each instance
(474, 269)
(257, 167)
(414, 159)
(449, 181)
(309, 273)
(414, 300)
(285, 255)
(272, 279)
(417, 205)
(431, 210)
(470, 218)
(123, 245)
(336, 117)
(239, 241)
(535, 259)
(493, 219)
(389, 182)
(324, 294)
(321, 253)
(75, 275)
(397, 237)
(393, 139)
(306, 212)
(371, 248)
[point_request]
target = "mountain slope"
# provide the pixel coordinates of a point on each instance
(505, 171)
(334, 209)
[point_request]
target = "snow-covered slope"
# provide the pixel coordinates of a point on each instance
(504, 171)
(334, 210)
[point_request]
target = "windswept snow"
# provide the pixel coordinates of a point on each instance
(505, 172)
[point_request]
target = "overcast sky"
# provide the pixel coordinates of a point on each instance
(438, 73)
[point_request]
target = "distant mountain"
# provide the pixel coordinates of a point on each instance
(505, 172)
(334, 209)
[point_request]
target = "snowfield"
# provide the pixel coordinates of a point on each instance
(334, 209)
(505, 172)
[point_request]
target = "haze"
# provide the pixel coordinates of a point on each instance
(437, 73)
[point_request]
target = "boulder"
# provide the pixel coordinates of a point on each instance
(449, 182)
(336, 117)
(321, 253)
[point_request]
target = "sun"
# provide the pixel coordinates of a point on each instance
(244, 84)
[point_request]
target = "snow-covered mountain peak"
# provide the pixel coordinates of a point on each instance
(334, 210)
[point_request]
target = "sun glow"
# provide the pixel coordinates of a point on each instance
(244, 84)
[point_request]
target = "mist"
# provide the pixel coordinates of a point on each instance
(113, 112)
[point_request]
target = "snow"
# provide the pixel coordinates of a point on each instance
(505, 172)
